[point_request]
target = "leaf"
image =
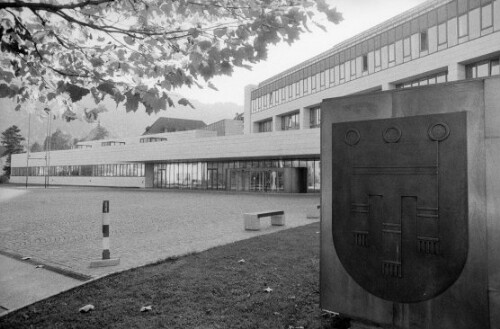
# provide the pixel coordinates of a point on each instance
(132, 103)
(75, 92)
(220, 32)
(185, 102)
(194, 32)
(51, 96)
(69, 115)
(6, 91)
(211, 86)
(129, 40)
(146, 308)
(106, 87)
(86, 308)
(96, 62)
(6, 76)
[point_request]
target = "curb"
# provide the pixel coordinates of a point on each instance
(58, 270)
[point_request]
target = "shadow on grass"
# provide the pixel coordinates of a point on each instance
(224, 287)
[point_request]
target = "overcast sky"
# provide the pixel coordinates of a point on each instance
(359, 15)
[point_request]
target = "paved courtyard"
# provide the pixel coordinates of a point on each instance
(62, 226)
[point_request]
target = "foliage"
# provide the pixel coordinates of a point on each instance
(36, 147)
(4, 179)
(11, 139)
(211, 289)
(135, 52)
(58, 141)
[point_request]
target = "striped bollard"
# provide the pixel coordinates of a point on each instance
(106, 255)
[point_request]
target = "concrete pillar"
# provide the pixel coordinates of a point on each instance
(388, 86)
(276, 123)
(247, 128)
(305, 117)
(456, 72)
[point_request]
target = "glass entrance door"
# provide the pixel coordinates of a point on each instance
(257, 180)
(212, 179)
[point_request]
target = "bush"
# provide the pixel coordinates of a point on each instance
(4, 179)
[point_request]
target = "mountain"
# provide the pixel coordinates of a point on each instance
(117, 121)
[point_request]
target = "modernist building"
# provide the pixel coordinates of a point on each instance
(437, 42)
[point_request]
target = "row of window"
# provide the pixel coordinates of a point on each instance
(291, 121)
(481, 69)
(103, 170)
(256, 175)
(112, 143)
(152, 139)
(453, 23)
(424, 81)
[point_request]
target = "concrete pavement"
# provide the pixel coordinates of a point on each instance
(21, 283)
(62, 229)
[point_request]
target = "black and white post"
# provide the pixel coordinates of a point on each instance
(106, 254)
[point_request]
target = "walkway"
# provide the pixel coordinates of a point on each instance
(61, 227)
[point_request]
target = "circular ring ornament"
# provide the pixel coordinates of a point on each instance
(392, 134)
(438, 131)
(352, 137)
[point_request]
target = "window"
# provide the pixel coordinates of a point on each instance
(406, 47)
(297, 88)
(377, 58)
(315, 117)
(342, 71)
(266, 126)
(332, 76)
(290, 91)
(305, 85)
(424, 41)
(365, 63)
(271, 98)
(486, 17)
(313, 82)
(482, 69)
(322, 78)
(290, 121)
(392, 53)
(442, 33)
(463, 26)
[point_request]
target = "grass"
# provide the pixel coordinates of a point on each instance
(212, 289)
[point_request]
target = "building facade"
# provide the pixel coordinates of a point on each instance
(439, 41)
(436, 42)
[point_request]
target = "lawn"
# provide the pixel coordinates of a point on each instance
(223, 287)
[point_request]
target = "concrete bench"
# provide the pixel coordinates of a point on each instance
(252, 220)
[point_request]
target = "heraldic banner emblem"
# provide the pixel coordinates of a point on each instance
(399, 217)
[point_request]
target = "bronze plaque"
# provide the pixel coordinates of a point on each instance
(399, 216)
